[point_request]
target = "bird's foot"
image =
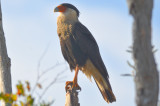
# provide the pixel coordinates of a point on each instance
(73, 85)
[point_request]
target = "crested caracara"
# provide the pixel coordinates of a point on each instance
(81, 51)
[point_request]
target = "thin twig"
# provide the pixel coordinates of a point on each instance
(154, 51)
(49, 69)
(134, 69)
(132, 66)
(37, 94)
(56, 78)
(126, 75)
(130, 50)
(38, 67)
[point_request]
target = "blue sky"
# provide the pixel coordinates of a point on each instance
(30, 26)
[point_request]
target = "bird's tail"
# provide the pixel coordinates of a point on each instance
(106, 90)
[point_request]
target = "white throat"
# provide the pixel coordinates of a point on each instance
(69, 15)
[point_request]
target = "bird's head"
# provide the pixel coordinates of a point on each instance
(67, 9)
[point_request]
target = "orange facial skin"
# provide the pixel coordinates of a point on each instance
(61, 8)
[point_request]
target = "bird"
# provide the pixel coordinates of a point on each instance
(81, 51)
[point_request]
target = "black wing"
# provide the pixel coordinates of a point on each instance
(88, 45)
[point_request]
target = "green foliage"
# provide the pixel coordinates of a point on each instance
(23, 96)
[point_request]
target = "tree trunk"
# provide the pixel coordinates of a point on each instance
(72, 96)
(5, 75)
(146, 78)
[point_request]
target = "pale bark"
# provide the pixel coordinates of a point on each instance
(72, 96)
(146, 78)
(5, 75)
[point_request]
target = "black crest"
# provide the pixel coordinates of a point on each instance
(72, 7)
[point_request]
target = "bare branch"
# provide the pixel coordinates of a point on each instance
(132, 66)
(154, 51)
(51, 68)
(130, 75)
(130, 50)
(54, 81)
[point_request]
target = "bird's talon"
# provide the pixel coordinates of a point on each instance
(73, 85)
(76, 86)
(68, 83)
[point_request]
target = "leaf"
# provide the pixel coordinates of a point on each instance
(39, 85)
(14, 97)
(20, 89)
(1, 95)
(6, 97)
(22, 104)
(30, 100)
(28, 86)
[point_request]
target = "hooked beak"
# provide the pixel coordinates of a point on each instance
(56, 9)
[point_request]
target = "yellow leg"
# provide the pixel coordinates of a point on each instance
(74, 82)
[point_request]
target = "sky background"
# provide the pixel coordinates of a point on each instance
(30, 29)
